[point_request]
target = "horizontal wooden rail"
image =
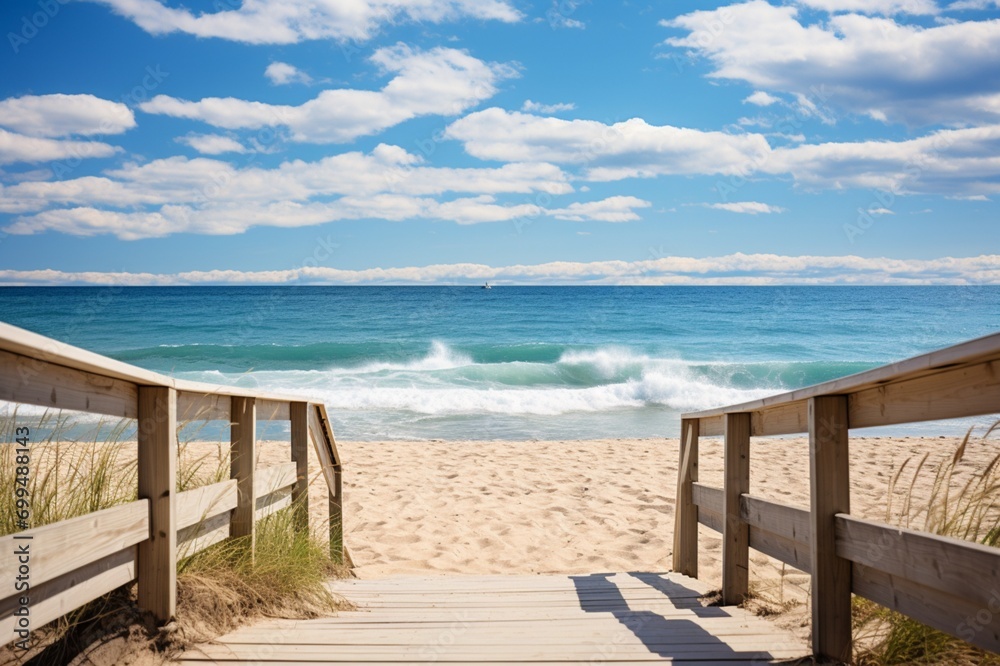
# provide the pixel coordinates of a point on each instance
(956, 382)
(934, 579)
(71, 562)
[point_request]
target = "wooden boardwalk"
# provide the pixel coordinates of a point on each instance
(633, 618)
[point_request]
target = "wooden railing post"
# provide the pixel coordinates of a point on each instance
(157, 468)
(243, 459)
(299, 415)
(686, 517)
(829, 473)
(735, 532)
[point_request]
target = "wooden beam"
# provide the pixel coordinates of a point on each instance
(202, 406)
(790, 522)
(157, 463)
(299, 415)
(787, 419)
(337, 545)
(272, 410)
(735, 532)
(976, 623)
(707, 498)
(935, 561)
(712, 426)
(243, 439)
(203, 534)
(198, 504)
(980, 350)
(273, 478)
(686, 516)
(54, 598)
(59, 548)
(954, 393)
(36, 382)
(829, 473)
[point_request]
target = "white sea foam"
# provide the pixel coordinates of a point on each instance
(447, 382)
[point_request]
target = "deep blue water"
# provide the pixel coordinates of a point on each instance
(511, 362)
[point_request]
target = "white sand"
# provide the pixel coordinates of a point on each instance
(583, 506)
(574, 507)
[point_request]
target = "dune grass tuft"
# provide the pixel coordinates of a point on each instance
(964, 503)
(218, 588)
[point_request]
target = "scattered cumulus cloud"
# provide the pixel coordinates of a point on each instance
(742, 269)
(15, 148)
(442, 81)
(65, 115)
(281, 73)
(211, 196)
(952, 162)
(293, 21)
(761, 98)
(536, 107)
(213, 144)
(746, 207)
(862, 65)
(632, 148)
(883, 7)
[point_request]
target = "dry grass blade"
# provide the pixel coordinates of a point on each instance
(963, 502)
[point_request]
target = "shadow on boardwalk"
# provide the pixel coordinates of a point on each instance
(664, 635)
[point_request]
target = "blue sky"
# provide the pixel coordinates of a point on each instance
(452, 141)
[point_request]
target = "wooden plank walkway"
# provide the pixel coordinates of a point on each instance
(634, 618)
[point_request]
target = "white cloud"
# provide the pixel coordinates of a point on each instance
(631, 148)
(883, 7)
(761, 98)
(441, 81)
(881, 210)
(964, 5)
(537, 107)
(209, 196)
(752, 269)
(227, 218)
(281, 73)
(871, 66)
(960, 162)
(19, 148)
(291, 21)
(212, 144)
(746, 207)
(64, 115)
(612, 209)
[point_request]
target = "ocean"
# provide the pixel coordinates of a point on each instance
(511, 363)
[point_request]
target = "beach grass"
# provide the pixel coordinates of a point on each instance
(218, 588)
(964, 503)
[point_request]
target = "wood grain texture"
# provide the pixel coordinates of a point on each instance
(299, 417)
(156, 591)
(735, 532)
(960, 568)
(830, 494)
(65, 546)
(980, 350)
(36, 382)
(53, 599)
(685, 558)
(243, 460)
(198, 504)
(596, 618)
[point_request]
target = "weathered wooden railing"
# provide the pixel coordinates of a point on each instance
(946, 583)
(75, 561)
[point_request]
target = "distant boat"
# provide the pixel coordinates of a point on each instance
(487, 286)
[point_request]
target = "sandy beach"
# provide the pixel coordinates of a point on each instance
(604, 505)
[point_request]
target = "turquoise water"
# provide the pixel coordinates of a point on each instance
(511, 362)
